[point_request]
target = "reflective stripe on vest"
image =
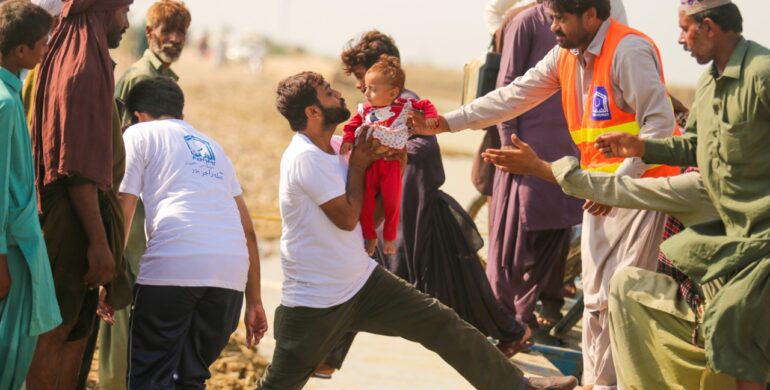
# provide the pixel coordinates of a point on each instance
(600, 112)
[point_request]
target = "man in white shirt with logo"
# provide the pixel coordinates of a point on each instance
(331, 286)
(201, 250)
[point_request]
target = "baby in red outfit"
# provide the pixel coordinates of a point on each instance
(385, 116)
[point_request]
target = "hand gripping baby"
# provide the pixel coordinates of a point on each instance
(384, 116)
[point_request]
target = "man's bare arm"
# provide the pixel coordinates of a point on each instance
(345, 210)
(101, 264)
(128, 207)
(520, 159)
(254, 319)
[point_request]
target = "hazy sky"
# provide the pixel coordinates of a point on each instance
(441, 32)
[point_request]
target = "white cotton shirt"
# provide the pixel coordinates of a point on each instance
(188, 185)
(323, 265)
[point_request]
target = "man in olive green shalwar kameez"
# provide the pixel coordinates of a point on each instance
(728, 137)
(651, 325)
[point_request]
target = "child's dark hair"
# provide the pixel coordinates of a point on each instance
(22, 23)
(370, 47)
(390, 68)
(157, 96)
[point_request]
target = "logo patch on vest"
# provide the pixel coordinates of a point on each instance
(601, 105)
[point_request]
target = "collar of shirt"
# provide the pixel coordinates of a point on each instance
(734, 67)
(158, 65)
(11, 80)
(596, 45)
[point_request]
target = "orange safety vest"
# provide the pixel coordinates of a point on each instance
(601, 115)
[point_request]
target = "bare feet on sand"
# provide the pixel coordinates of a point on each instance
(389, 247)
(370, 245)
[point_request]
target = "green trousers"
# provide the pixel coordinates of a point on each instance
(651, 332)
(113, 339)
(388, 306)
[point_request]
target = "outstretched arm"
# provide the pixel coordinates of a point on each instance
(520, 159)
(682, 196)
(504, 103)
(679, 151)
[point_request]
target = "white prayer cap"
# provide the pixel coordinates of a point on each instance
(52, 6)
(691, 7)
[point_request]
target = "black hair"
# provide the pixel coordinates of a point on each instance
(367, 51)
(727, 17)
(157, 96)
(22, 23)
(579, 7)
(295, 93)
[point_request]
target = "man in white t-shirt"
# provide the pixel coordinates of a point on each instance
(331, 286)
(201, 251)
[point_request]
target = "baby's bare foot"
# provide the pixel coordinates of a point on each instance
(370, 245)
(389, 247)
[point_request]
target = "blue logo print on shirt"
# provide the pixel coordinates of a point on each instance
(200, 149)
(601, 105)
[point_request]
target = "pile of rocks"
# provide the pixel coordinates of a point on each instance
(238, 367)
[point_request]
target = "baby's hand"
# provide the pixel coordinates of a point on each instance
(346, 147)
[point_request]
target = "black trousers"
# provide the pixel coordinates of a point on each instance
(176, 333)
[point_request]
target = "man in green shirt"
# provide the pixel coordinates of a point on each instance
(166, 27)
(652, 326)
(28, 304)
(726, 137)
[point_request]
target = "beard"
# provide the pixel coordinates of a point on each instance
(114, 38)
(335, 115)
(168, 53)
(574, 43)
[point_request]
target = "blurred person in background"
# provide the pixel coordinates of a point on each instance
(496, 11)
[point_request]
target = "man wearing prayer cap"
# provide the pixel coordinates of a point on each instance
(728, 137)
(692, 7)
(79, 162)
